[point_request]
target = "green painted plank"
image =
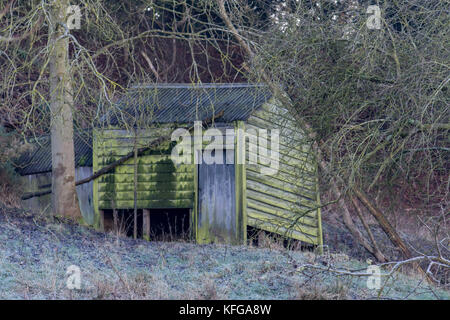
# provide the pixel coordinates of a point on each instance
(95, 167)
(276, 202)
(289, 156)
(276, 121)
(301, 218)
(147, 195)
(148, 177)
(241, 186)
(281, 221)
(146, 160)
(121, 148)
(306, 178)
(280, 197)
(282, 190)
(274, 191)
(148, 204)
(300, 164)
(286, 132)
(120, 152)
(302, 186)
(118, 143)
(280, 117)
(265, 204)
(285, 142)
(159, 168)
(265, 119)
(148, 186)
(270, 181)
(285, 153)
(281, 230)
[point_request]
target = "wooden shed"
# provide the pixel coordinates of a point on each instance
(35, 169)
(219, 200)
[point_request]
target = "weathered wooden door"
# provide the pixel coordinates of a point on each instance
(216, 220)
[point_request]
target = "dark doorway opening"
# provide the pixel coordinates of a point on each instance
(170, 224)
(121, 222)
(165, 224)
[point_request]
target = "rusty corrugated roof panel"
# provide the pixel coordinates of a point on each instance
(39, 159)
(185, 103)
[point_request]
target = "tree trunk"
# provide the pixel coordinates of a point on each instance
(64, 196)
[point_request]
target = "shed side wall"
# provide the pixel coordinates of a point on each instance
(285, 202)
(161, 184)
(42, 204)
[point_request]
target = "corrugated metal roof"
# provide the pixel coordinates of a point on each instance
(186, 103)
(39, 159)
(157, 103)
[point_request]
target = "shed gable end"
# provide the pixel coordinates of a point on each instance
(285, 202)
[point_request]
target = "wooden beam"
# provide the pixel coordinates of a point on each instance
(146, 224)
(102, 220)
(240, 184)
(116, 221)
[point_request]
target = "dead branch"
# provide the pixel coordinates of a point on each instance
(152, 67)
(388, 229)
(366, 226)
(433, 260)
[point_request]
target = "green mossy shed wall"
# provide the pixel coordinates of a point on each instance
(286, 202)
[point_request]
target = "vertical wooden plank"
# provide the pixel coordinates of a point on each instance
(116, 221)
(135, 192)
(146, 224)
(241, 183)
(192, 229)
(217, 210)
(194, 213)
(84, 193)
(319, 213)
(31, 183)
(102, 220)
(95, 150)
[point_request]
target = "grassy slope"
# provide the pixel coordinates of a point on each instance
(34, 255)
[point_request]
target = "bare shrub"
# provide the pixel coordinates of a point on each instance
(337, 291)
(11, 147)
(209, 290)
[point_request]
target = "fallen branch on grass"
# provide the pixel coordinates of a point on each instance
(433, 261)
